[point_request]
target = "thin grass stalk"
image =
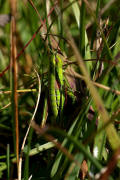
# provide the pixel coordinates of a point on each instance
(95, 26)
(8, 161)
(14, 88)
(98, 8)
(13, 4)
(82, 30)
(47, 21)
(26, 135)
(26, 166)
(60, 26)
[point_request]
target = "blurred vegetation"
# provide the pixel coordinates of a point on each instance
(75, 131)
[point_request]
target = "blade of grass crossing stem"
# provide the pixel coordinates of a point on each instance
(79, 145)
(40, 148)
(112, 135)
(8, 161)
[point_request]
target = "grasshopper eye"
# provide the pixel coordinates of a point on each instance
(4, 19)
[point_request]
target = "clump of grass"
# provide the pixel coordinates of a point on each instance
(65, 92)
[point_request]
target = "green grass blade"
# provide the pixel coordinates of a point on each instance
(73, 171)
(76, 11)
(8, 161)
(98, 8)
(80, 146)
(82, 30)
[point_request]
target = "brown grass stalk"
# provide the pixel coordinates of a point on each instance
(14, 76)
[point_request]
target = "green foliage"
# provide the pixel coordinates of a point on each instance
(82, 120)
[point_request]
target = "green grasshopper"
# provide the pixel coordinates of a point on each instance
(59, 76)
(56, 85)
